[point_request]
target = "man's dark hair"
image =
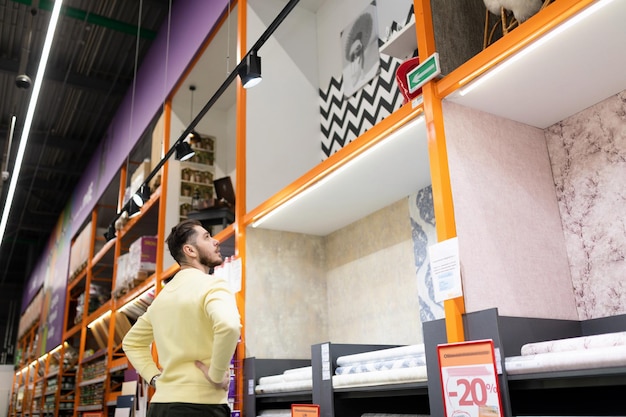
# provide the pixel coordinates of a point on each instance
(179, 236)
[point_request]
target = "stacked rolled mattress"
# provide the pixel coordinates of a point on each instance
(296, 379)
(397, 365)
(586, 352)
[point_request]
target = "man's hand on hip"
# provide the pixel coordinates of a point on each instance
(205, 370)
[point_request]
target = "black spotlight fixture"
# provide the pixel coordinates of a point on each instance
(250, 72)
(142, 195)
(133, 208)
(110, 233)
(184, 151)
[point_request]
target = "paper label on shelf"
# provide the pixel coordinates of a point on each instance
(446, 269)
(325, 357)
(469, 379)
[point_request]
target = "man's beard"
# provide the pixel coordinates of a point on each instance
(206, 261)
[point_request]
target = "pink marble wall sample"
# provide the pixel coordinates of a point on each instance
(588, 157)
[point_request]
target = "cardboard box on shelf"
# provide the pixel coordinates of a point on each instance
(139, 175)
(142, 257)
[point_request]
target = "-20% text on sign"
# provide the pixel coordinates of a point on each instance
(469, 379)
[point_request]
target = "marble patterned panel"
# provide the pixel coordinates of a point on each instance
(372, 290)
(588, 158)
(285, 294)
(424, 234)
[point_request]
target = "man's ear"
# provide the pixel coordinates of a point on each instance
(190, 251)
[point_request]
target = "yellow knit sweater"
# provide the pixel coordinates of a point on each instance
(194, 317)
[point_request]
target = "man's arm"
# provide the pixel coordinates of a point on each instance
(221, 306)
(136, 346)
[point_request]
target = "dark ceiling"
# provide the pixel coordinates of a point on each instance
(98, 46)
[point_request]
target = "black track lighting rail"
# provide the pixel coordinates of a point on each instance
(229, 79)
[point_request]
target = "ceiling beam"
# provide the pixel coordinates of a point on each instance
(66, 170)
(51, 141)
(95, 19)
(73, 79)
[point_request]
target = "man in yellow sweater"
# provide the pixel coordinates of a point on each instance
(195, 325)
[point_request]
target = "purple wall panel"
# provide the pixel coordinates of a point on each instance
(192, 21)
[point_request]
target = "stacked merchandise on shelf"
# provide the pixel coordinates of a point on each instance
(92, 385)
(139, 305)
(585, 352)
(92, 395)
(386, 366)
(70, 357)
(68, 386)
(295, 379)
(136, 265)
(37, 394)
(31, 315)
(49, 401)
(79, 253)
(98, 295)
(94, 370)
(196, 177)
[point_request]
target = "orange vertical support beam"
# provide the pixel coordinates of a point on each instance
(240, 189)
(438, 155)
(167, 122)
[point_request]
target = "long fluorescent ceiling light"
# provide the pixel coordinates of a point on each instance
(338, 171)
(556, 31)
(45, 53)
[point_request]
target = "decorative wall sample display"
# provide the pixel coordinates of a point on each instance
(588, 155)
(342, 123)
(361, 58)
(423, 232)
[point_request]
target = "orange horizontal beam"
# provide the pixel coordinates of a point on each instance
(523, 35)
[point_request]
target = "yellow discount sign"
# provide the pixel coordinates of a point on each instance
(469, 379)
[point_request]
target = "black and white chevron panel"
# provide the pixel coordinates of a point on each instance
(343, 119)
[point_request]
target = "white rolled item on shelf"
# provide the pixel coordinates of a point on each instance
(295, 379)
(405, 362)
(567, 360)
(285, 386)
(575, 343)
(275, 412)
(390, 376)
(380, 355)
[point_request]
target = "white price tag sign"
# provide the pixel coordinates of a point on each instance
(469, 379)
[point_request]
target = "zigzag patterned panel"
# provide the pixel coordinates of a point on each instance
(343, 119)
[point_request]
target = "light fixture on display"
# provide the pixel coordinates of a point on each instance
(193, 136)
(250, 72)
(142, 195)
(133, 209)
(184, 151)
(110, 233)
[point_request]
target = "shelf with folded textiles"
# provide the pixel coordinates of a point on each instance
(278, 394)
(361, 377)
(549, 366)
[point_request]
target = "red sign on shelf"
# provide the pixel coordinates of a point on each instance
(305, 410)
(469, 379)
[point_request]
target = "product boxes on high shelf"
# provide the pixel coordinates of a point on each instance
(142, 257)
(121, 278)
